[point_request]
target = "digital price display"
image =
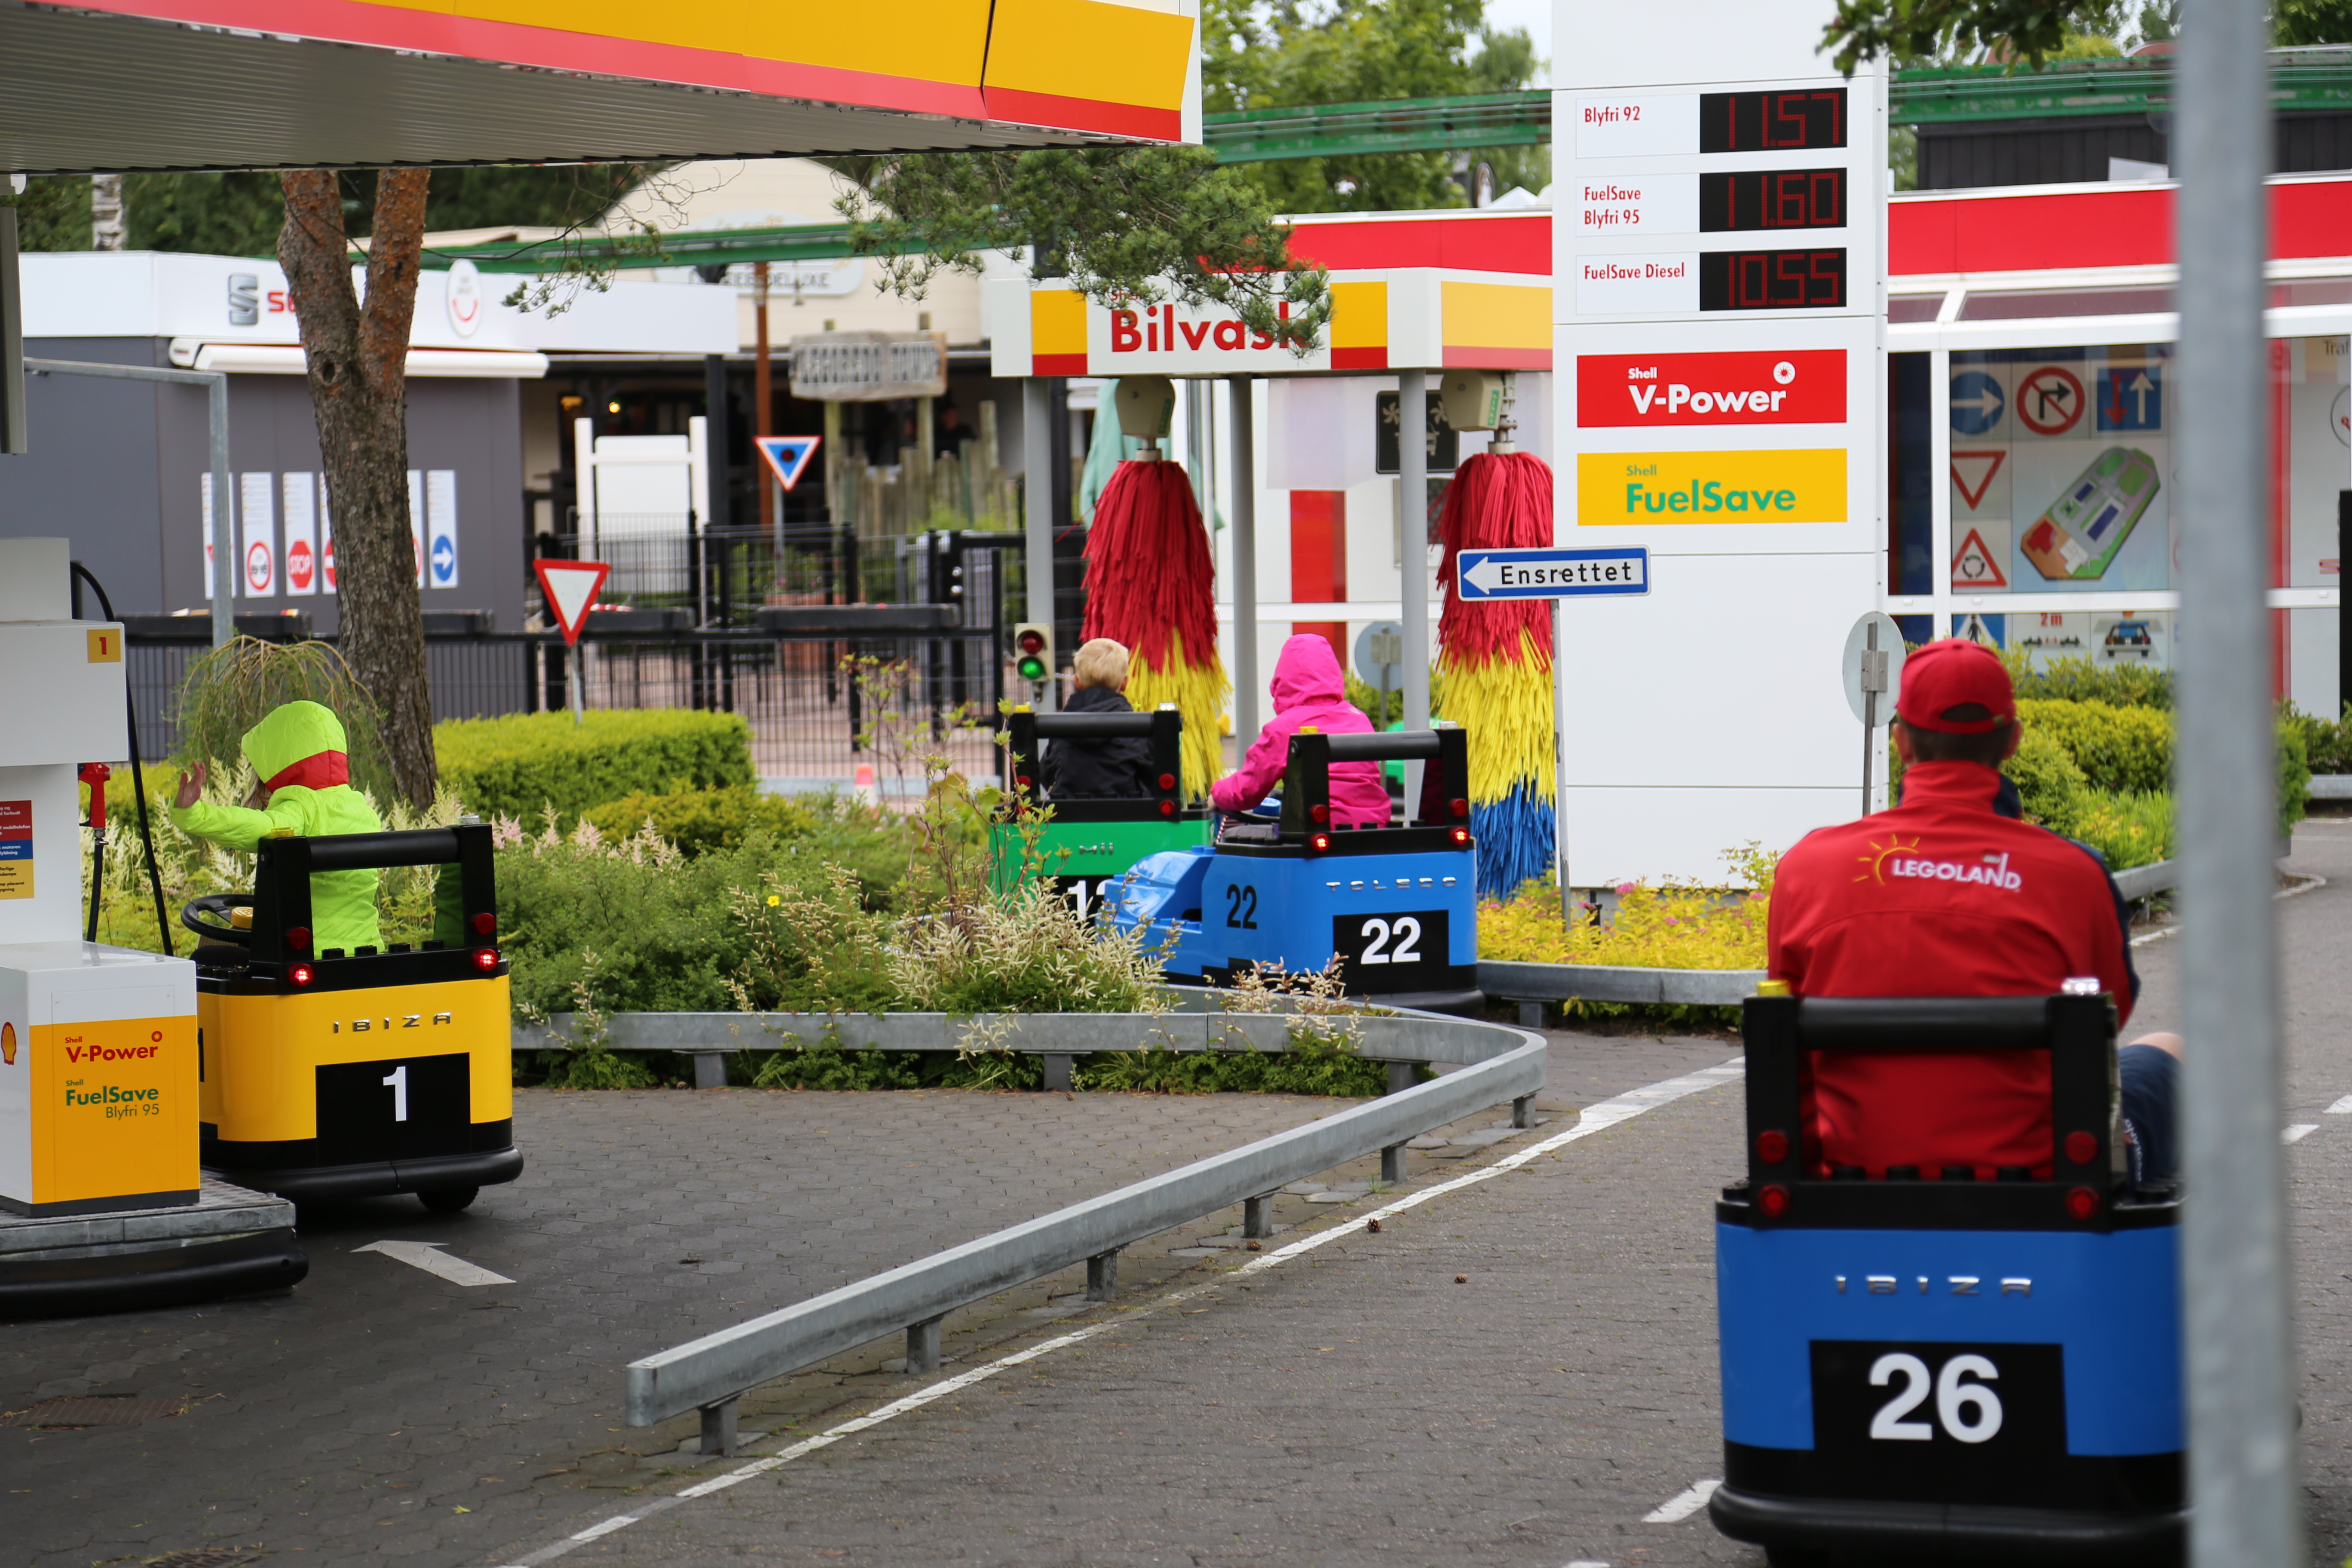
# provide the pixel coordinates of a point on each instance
(1771, 198)
(1771, 280)
(1797, 120)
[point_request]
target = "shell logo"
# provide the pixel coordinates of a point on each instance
(8, 1044)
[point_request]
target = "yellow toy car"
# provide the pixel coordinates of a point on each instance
(332, 1075)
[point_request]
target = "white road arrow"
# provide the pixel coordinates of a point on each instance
(1486, 575)
(425, 1255)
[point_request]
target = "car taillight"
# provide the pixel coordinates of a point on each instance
(2082, 1203)
(1319, 812)
(1773, 1200)
(2081, 1147)
(1771, 1145)
(1461, 836)
(1461, 806)
(1167, 781)
(1166, 808)
(1319, 842)
(486, 924)
(298, 974)
(298, 938)
(486, 959)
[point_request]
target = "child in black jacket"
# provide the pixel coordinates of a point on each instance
(1115, 767)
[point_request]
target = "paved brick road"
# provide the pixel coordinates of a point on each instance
(1358, 1406)
(355, 1417)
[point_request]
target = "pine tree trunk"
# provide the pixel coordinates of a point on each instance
(357, 358)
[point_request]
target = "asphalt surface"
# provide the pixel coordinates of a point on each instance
(1521, 1371)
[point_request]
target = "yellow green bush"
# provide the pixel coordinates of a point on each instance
(1674, 926)
(696, 820)
(521, 764)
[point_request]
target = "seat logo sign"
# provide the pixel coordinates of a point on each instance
(1801, 386)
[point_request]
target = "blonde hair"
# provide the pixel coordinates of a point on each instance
(1101, 662)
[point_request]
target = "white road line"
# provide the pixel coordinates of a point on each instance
(1682, 1504)
(2342, 1107)
(1595, 1118)
(428, 1255)
(2296, 1134)
(1586, 1563)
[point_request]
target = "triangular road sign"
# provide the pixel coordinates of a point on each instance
(569, 588)
(1974, 495)
(787, 455)
(1973, 565)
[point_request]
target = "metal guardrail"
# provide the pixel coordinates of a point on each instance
(2331, 786)
(710, 1373)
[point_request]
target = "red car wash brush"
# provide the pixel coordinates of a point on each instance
(1494, 656)
(1150, 584)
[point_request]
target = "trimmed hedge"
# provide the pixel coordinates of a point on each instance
(2120, 749)
(700, 820)
(520, 764)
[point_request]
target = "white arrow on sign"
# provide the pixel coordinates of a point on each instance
(1543, 574)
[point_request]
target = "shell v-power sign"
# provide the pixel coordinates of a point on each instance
(1718, 295)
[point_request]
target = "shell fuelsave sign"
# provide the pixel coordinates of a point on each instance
(1773, 486)
(1076, 65)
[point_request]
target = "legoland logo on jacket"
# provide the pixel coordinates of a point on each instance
(1898, 860)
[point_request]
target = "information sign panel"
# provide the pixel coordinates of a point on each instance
(1717, 291)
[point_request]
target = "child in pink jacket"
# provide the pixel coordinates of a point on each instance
(1309, 692)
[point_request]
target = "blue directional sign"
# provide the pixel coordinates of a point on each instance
(1552, 573)
(2131, 397)
(1976, 402)
(787, 455)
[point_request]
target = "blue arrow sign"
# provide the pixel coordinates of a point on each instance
(787, 455)
(1552, 573)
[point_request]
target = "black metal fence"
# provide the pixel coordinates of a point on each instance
(819, 705)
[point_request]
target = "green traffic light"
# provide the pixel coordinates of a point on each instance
(1031, 668)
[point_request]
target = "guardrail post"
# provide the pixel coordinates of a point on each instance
(1392, 1163)
(1102, 1275)
(923, 1346)
(1523, 1111)
(1257, 1217)
(1531, 1014)
(709, 1070)
(718, 1427)
(1401, 1076)
(1057, 1071)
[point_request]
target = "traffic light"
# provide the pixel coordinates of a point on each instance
(1032, 651)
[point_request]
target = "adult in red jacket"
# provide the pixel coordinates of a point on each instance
(1310, 691)
(1941, 896)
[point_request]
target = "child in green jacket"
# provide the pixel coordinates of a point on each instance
(297, 752)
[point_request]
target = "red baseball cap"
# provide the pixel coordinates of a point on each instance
(1956, 674)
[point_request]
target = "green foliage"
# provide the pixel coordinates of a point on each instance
(659, 920)
(695, 820)
(808, 946)
(2030, 30)
(2129, 829)
(2294, 772)
(2304, 22)
(1677, 926)
(233, 687)
(235, 213)
(1256, 55)
(52, 212)
(1026, 953)
(2125, 749)
(522, 764)
(1126, 224)
(2078, 679)
(1306, 1066)
(2327, 748)
(2051, 785)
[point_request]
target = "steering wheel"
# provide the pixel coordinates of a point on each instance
(218, 904)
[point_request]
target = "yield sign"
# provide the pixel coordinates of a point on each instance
(1964, 462)
(1973, 565)
(570, 587)
(787, 455)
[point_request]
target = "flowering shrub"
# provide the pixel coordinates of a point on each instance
(1677, 925)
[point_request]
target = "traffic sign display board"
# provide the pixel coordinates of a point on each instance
(570, 589)
(1554, 573)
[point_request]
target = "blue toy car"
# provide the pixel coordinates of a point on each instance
(1397, 905)
(1916, 1368)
